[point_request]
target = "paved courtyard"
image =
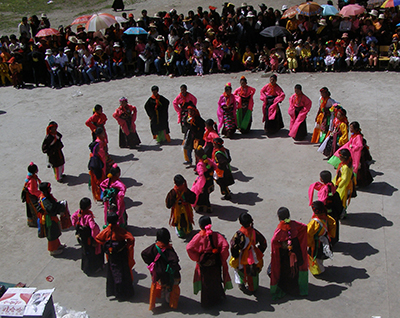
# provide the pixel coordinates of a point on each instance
(361, 280)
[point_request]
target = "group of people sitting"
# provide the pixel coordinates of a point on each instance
(199, 43)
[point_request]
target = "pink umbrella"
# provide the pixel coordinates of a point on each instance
(351, 10)
(100, 21)
(46, 32)
(82, 20)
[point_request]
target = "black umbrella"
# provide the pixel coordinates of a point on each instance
(275, 31)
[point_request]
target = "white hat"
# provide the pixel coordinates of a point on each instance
(49, 52)
(44, 16)
(116, 44)
(98, 47)
(250, 15)
(381, 16)
(244, 4)
(67, 49)
(374, 13)
(322, 22)
(284, 7)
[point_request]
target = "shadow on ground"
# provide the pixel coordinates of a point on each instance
(130, 182)
(382, 188)
(142, 231)
(128, 157)
(129, 203)
(358, 251)
(239, 176)
(247, 198)
(343, 274)
(283, 133)
(369, 220)
(227, 213)
(71, 181)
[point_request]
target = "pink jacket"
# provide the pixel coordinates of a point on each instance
(220, 111)
(248, 91)
(87, 219)
(268, 90)
(122, 122)
(305, 104)
(181, 100)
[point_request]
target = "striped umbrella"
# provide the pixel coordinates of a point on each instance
(290, 13)
(100, 21)
(82, 20)
(309, 9)
(390, 3)
(46, 32)
(374, 3)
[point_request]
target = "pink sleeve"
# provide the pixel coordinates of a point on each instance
(193, 99)
(33, 188)
(75, 218)
(291, 107)
(323, 194)
(355, 150)
(263, 93)
(192, 248)
(121, 122)
(220, 112)
(175, 103)
(134, 116)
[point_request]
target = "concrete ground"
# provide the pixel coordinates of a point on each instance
(361, 280)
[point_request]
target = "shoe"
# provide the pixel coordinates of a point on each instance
(62, 246)
(187, 163)
(56, 252)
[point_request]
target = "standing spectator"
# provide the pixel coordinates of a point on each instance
(51, 66)
(44, 22)
(24, 27)
(34, 25)
(62, 61)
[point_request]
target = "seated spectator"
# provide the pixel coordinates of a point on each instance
(14, 44)
(117, 61)
(4, 73)
(76, 64)
(101, 61)
(371, 38)
(248, 59)
(170, 61)
(305, 57)
(180, 60)
(373, 56)
(198, 59)
(394, 54)
(159, 54)
(88, 67)
(351, 54)
(291, 57)
(330, 56)
(16, 73)
(61, 60)
(363, 53)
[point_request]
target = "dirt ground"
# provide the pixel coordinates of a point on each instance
(270, 172)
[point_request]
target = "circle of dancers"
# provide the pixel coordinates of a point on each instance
(295, 247)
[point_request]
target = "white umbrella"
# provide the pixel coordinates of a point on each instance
(120, 19)
(100, 21)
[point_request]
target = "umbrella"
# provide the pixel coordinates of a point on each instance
(352, 9)
(120, 19)
(82, 20)
(46, 32)
(374, 3)
(135, 31)
(390, 3)
(290, 13)
(329, 10)
(309, 9)
(275, 31)
(100, 21)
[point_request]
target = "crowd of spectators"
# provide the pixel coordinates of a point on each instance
(202, 42)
